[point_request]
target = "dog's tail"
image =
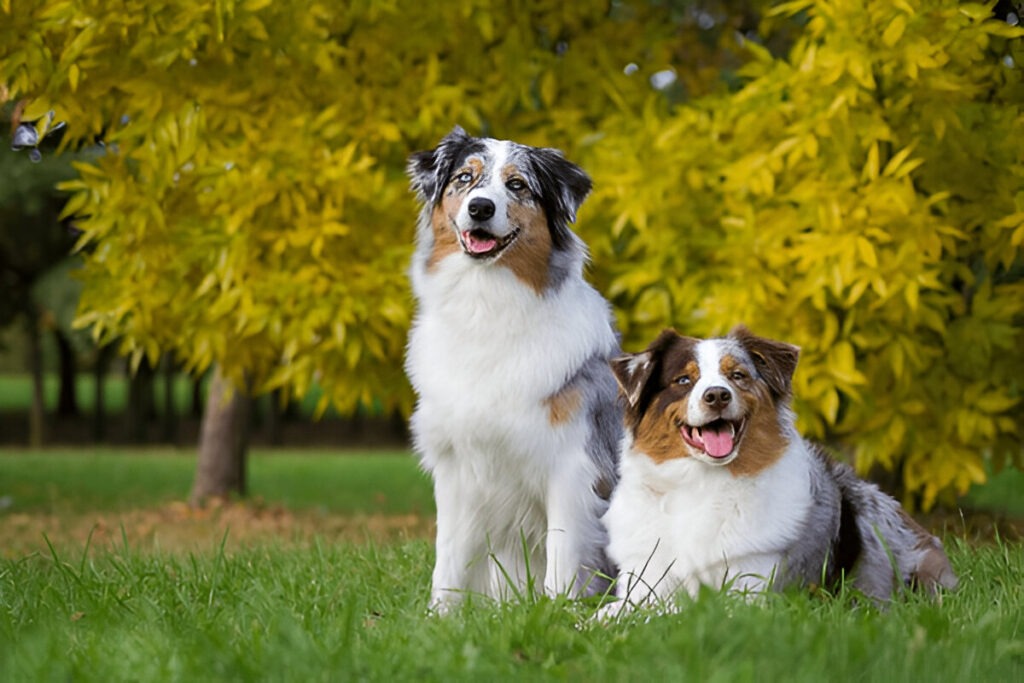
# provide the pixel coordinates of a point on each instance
(932, 568)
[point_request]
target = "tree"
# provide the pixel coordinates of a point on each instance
(863, 198)
(32, 243)
(251, 210)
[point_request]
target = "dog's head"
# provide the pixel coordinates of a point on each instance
(723, 401)
(495, 199)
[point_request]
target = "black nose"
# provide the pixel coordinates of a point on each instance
(717, 397)
(480, 208)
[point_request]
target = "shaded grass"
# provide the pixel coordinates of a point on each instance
(71, 481)
(346, 612)
(1003, 492)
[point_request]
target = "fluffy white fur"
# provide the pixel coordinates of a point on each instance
(680, 524)
(517, 508)
(761, 508)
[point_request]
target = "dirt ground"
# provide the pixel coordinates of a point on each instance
(176, 527)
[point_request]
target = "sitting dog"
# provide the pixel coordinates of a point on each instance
(517, 419)
(718, 489)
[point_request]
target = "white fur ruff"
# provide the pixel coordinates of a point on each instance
(683, 524)
(515, 507)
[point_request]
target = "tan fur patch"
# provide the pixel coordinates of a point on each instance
(563, 405)
(529, 256)
(763, 442)
(507, 171)
(475, 165)
(657, 436)
(691, 370)
(446, 242)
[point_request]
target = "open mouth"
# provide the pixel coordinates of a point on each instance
(717, 438)
(479, 243)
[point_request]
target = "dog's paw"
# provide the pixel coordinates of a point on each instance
(442, 605)
(613, 611)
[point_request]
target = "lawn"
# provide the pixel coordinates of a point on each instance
(80, 480)
(330, 607)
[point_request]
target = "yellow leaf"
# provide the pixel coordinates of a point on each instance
(73, 74)
(830, 406)
(894, 31)
(911, 294)
(976, 11)
(867, 252)
(870, 171)
(896, 160)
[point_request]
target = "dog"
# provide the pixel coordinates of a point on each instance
(718, 489)
(517, 418)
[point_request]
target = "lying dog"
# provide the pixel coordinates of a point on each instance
(517, 419)
(718, 489)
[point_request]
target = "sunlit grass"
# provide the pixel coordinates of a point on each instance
(358, 612)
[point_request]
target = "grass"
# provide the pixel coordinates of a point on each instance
(75, 481)
(348, 612)
(338, 610)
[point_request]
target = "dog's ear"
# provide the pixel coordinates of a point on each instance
(775, 361)
(562, 188)
(635, 371)
(429, 170)
(632, 371)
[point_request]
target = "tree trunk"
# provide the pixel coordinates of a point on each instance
(67, 399)
(37, 410)
(223, 443)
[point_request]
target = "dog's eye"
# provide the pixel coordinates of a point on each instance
(515, 184)
(684, 380)
(464, 177)
(737, 375)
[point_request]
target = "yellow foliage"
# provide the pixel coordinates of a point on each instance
(861, 197)
(888, 249)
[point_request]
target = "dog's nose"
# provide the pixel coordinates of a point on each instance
(717, 397)
(480, 208)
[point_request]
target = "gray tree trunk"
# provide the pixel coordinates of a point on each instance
(223, 443)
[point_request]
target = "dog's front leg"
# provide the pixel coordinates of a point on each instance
(571, 524)
(458, 543)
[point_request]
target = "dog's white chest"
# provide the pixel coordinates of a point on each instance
(691, 524)
(486, 348)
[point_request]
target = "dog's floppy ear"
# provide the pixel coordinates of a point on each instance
(563, 187)
(632, 371)
(775, 361)
(429, 170)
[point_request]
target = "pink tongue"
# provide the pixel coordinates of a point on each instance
(478, 246)
(717, 444)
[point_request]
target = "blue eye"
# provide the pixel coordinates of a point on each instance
(464, 177)
(515, 184)
(684, 380)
